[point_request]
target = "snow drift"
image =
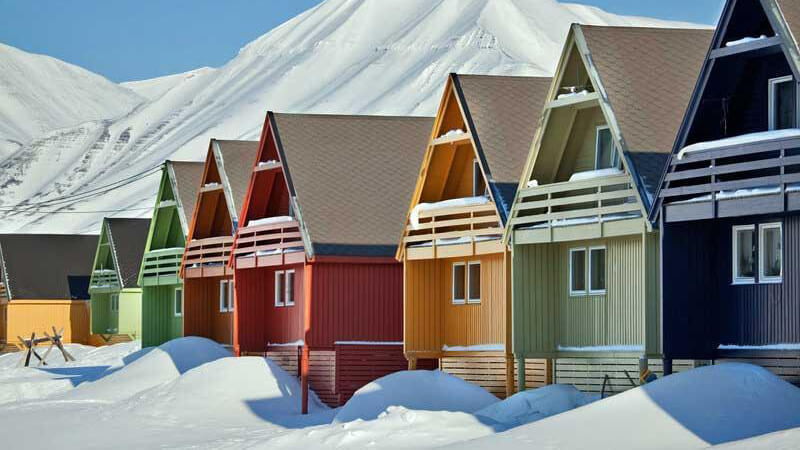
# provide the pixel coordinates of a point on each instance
(535, 404)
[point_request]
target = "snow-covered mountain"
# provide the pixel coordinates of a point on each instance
(343, 56)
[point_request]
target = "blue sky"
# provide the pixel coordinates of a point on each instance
(138, 39)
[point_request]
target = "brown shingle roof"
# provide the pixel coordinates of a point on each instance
(790, 9)
(353, 177)
(188, 177)
(47, 266)
(128, 238)
(649, 75)
(238, 158)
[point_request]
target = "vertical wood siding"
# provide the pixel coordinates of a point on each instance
(201, 315)
(357, 365)
(423, 306)
(103, 320)
(159, 323)
(356, 302)
(260, 321)
(26, 316)
(130, 313)
(546, 316)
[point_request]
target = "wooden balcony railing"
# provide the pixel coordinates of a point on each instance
(548, 212)
(208, 257)
(162, 266)
(735, 180)
(104, 280)
(270, 244)
(455, 231)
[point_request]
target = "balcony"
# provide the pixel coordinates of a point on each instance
(104, 280)
(454, 231)
(208, 257)
(162, 266)
(273, 242)
(757, 173)
(603, 206)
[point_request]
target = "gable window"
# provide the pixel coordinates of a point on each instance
(597, 270)
(224, 299)
(459, 283)
(605, 155)
(744, 254)
(770, 249)
(178, 303)
(474, 282)
(115, 302)
(478, 183)
(284, 288)
(781, 103)
(577, 271)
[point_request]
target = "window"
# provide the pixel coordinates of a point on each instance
(605, 155)
(478, 183)
(289, 292)
(770, 248)
(284, 288)
(597, 270)
(178, 305)
(577, 271)
(115, 302)
(280, 286)
(744, 254)
(231, 295)
(459, 283)
(781, 103)
(474, 282)
(224, 299)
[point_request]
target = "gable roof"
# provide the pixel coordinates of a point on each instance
(47, 266)
(503, 114)
(349, 177)
(235, 161)
(186, 178)
(127, 239)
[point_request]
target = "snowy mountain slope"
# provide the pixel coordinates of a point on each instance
(40, 93)
(343, 56)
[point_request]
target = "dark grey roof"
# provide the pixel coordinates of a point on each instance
(47, 266)
(128, 238)
(188, 178)
(649, 166)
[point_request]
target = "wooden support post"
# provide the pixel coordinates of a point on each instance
(667, 366)
(304, 378)
(412, 362)
(520, 374)
(549, 371)
(509, 375)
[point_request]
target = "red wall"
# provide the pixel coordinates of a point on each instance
(356, 302)
(260, 321)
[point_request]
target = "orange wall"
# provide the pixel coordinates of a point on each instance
(432, 320)
(201, 315)
(26, 316)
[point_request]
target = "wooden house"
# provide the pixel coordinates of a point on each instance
(208, 288)
(44, 281)
(159, 277)
(317, 286)
(730, 199)
(457, 270)
(585, 256)
(116, 297)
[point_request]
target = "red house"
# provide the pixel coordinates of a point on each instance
(317, 285)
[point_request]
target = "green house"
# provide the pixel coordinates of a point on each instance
(162, 287)
(113, 288)
(585, 259)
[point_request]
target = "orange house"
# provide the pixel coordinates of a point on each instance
(457, 306)
(208, 290)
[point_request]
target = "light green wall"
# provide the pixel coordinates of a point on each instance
(545, 316)
(130, 312)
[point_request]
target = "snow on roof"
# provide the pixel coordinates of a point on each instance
(745, 40)
(743, 139)
(589, 174)
(267, 220)
(451, 203)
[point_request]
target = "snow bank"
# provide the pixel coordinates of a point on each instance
(430, 390)
(266, 220)
(693, 409)
(535, 404)
(739, 140)
(452, 203)
(155, 366)
(589, 174)
(779, 440)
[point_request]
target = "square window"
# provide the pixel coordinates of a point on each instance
(280, 286)
(605, 155)
(597, 270)
(577, 271)
(744, 254)
(178, 304)
(770, 246)
(289, 290)
(781, 103)
(474, 282)
(459, 283)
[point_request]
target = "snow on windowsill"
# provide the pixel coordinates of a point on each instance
(296, 343)
(459, 240)
(583, 220)
(573, 94)
(211, 185)
(740, 193)
(453, 132)
(603, 348)
(785, 346)
(454, 202)
(474, 348)
(165, 250)
(745, 40)
(368, 342)
(532, 184)
(739, 140)
(267, 163)
(266, 220)
(590, 174)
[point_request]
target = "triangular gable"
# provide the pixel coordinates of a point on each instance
(746, 27)
(212, 214)
(105, 270)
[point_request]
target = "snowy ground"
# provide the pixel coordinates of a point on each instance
(190, 393)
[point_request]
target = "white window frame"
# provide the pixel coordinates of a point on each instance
(279, 293)
(458, 301)
(288, 301)
(762, 278)
(771, 97)
(115, 303)
(471, 300)
(597, 146)
(231, 295)
(175, 303)
(589, 270)
(223, 293)
(584, 292)
(735, 255)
